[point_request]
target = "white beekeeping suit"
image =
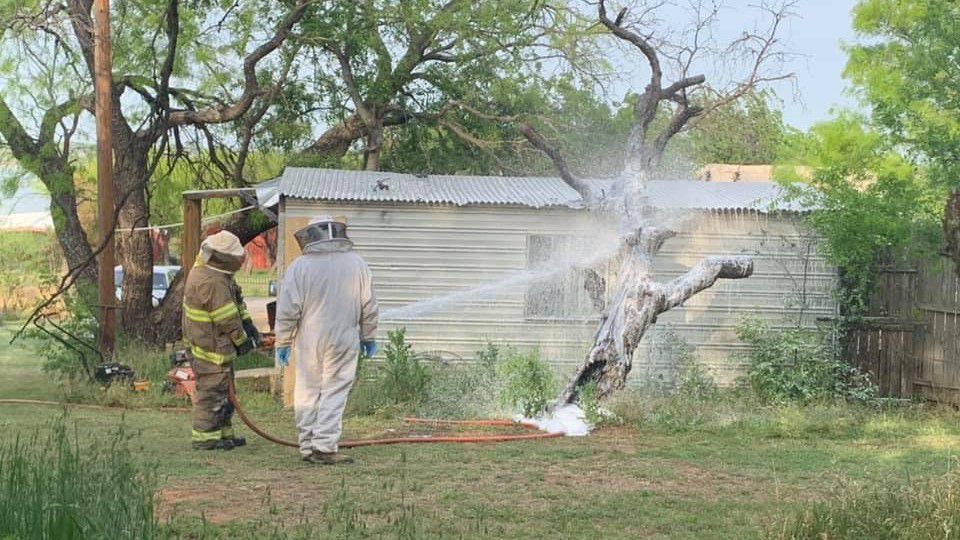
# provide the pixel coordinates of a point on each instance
(325, 310)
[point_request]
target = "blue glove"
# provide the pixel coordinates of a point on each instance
(283, 355)
(369, 348)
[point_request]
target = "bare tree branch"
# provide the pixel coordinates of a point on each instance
(221, 114)
(648, 50)
(166, 71)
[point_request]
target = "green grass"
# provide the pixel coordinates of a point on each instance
(20, 373)
(731, 473)
(255, 283)
(885, 510)
(59, 483)
(28, 260)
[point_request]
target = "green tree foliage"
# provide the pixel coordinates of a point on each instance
(907, 72)
(193, 81)
(869, 203)
(387, 63)
(590, 132)
(747, 132)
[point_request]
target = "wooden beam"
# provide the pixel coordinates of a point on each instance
(202, 194)
(191, 233)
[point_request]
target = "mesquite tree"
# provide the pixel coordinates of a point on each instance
(180, 70)
(385, 64)
(635, 300)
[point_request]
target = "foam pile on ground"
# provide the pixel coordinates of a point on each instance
(568, 419)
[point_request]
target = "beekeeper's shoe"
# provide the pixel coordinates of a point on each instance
(327, 458)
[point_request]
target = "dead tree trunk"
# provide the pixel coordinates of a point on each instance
(636, 303)
(637, 300)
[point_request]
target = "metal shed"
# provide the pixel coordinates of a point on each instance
(465, 260)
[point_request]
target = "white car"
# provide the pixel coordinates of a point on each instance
(162, 278)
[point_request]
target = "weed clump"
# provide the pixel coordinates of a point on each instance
(503, 381)
(466, 391)
(399, 384)
(52, 485)
(529, 383)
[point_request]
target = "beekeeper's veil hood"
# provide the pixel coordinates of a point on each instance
(222, 251)
(323, 229)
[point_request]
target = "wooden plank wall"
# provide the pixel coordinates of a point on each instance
(910, 344)
(882, 348)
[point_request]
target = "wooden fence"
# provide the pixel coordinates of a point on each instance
(910, 344)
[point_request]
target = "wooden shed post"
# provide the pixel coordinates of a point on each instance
(288, 375)
(191, 233)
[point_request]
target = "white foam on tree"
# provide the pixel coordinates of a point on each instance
(568, 419)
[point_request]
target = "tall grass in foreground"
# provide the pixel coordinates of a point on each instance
(59, 484)
(916, 510)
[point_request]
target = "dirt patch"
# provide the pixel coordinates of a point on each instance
(214, 501)
(445, 478)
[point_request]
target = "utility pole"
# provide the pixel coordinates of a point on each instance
(103, 84)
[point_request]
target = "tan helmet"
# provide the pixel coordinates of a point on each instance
(223, 251)
(322, 229)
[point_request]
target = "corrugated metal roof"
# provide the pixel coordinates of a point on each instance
(338, 185)
(692, 195)
(530, 191)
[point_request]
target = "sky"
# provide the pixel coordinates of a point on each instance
(816, 34)
(813, 39)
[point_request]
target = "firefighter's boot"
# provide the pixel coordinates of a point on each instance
(222, 444)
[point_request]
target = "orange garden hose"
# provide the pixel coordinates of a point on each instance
(358, 443)
(408, 440)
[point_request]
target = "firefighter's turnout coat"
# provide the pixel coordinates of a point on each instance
(213, 326)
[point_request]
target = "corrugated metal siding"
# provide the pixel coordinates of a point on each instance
(531, 191)
(421, 252)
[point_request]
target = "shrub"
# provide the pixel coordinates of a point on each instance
(919, 510)
(590, 404)
(684, 374)
(501, 377)
(528, 383)
(489, 356)
(54, 486)
(69, 345)
(466, 391)
(403, 377)
(695, 382)
(799, 365)
(401, 381)
(30, 262)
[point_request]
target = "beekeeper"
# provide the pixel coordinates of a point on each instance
(327, 313)
(218, 328)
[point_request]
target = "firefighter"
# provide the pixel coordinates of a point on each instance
(218, 328)
(327, 313)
